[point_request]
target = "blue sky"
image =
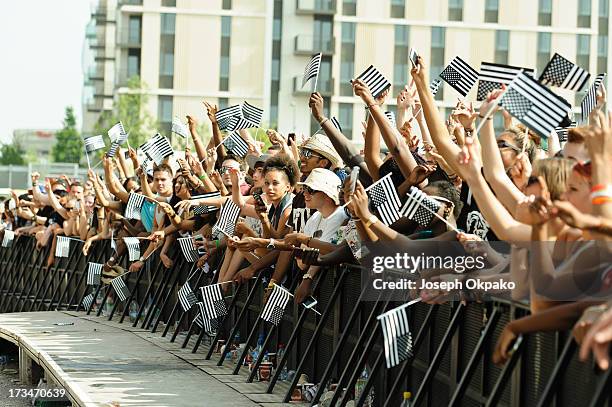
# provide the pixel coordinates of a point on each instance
(41, 65)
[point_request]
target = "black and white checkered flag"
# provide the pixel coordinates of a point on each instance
(391, 118)
(562, 132)
(202, 209)
(435, 86)
(179, 128)
(312, 68)
(133, 246)
(123, 292)
(208, 325)
(275, 307)
(534, 105)
(224, 116)
(214, 304)
(187, 297)
(228, 216)
(375, 81)
(565, 74)
(87, 301)
(384, 199)
(94, 271)
(590, 99)
(117, 133)
(94, 143)
(236, 145)
(396, 335)
(158, 148)
(7, 240)
(493, 76)
(62, 246)
(134, 206)
(420, 207)
(252, 113)
(189, 249)
(460, 75)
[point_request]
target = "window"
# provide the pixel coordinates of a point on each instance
(584, 13)
(168, 23)
(323, 34)
(314, 125)
(166, 51)
(543, 50)
(349, 7)
(398, 8)
(400, 64)
(277, 32)
(164, 113)
(345, 117)
(583, 46)
(347, 58)
(491, 11)
(455, 10)
(438, 39)
(603, 16)
(227, 5)
(224, 64)
(133, 63)
(134, 24)
(502, 41)
(602, 53)
(168, 3)
(223, 103)
(545, 12)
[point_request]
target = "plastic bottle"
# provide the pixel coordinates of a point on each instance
(406, 402)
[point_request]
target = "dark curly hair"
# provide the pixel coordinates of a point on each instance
(282, 162)
(447, 190)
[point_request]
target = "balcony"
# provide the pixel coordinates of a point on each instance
(324, 86)
(96, 72)
(95, 105)
(130, 3)
(309, 45)
(129, 40)
(310, 7)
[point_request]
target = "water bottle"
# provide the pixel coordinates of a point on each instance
(406, 402)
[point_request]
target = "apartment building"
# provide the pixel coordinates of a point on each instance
(227, 51)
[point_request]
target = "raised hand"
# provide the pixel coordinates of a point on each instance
(316, 105)
(35, 177)
(211, 110)
(192, 123)
(361, 89)
(359, 199)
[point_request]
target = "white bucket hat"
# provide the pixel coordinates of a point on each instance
(323, 180)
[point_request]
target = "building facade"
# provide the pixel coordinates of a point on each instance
(227, 51)
(37, 143)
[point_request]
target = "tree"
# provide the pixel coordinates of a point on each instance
(130, 109)
(12, 154)
(68, 147)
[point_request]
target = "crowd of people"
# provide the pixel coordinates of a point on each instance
(300, 213)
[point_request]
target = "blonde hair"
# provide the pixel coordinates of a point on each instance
(555, 171)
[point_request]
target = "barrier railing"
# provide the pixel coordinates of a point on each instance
(452, 343)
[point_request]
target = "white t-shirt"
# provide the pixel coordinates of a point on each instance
(328, 227)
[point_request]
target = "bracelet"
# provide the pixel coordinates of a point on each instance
(602, 193)
(216, 243)
(371, 220)
(601, 200)
(202, 177)
(600, 187)
(370, 105)
(483, 117)
(322, 122)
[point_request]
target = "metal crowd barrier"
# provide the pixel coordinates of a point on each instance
(452, 343)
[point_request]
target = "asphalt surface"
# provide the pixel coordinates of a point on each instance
(9, 380)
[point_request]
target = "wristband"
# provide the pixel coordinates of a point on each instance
(202, 177)
(216, 243)
(371, 220)
(322, 122)
(602, 193)
(370, 105)
(600, 187)
(601, 200)
(483, 117)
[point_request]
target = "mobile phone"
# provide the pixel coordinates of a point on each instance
(309, 302)
(257, 197)
(12, 205)
(290, 138)
(298, 253)
(353, 178)
(77, 205)
(414, 57)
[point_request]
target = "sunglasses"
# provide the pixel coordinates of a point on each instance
(504, 144)
(304, 152)
(584, 169)
(309, 190)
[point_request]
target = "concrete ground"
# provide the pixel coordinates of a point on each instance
(100, 362)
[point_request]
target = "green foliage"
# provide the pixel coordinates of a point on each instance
(12, 154)
(68, 147)
(130, 109)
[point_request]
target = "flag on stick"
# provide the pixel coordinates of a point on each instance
(133, 246)
(562, 132)
(252, 113)
(228, 216)
(375, 81)
(565, 74)
(235, 144)
(224, 116)
(202, 209)
(312, 69)
(435, 86)
(87, 301)
(534, 105)
(120, 288)
(117, 133)
(397, 336)
(383, 196)
(158, 148)
(590, 99)
(460, 75)
(94, 143)
(214, 304)
(7, 240)
(208, 325)
(94, 272)
(134, 206)
(275, 307)
(420, 207)
(493, 76)
(187, 297)
(179, 128)
(62, 246)
(189, 249)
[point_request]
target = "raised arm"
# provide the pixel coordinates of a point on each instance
(371, 148)
(113, 184)
(36, 194)
(197, 140)
(345, 149)
(55, 202)
(216, 138)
